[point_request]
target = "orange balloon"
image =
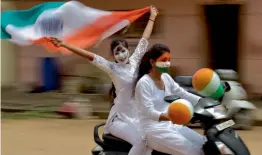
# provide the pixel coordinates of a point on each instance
(180, 111)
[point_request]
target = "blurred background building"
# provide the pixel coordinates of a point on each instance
(200, 33)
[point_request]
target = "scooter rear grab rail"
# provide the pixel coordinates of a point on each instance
(96, 135)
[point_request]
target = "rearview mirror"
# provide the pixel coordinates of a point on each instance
(227, 87)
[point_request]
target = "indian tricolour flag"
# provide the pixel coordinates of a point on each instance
(71, 21)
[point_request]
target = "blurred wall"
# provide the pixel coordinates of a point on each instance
(8, 55)
(251, 46)
(182, 29)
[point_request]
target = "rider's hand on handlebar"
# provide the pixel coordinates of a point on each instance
(164, 117)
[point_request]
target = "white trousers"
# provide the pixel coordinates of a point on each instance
(177, 140)
(129, 133)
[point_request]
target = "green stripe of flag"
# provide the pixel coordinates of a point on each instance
(22, 18)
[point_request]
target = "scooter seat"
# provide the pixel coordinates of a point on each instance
(122, 145)
(116, 143)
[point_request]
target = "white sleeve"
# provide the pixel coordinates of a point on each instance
(102, 63)
(139, 51)
(179, 91)
(143, 95)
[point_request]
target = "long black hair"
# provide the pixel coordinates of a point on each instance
(145, 66)
(114, 43)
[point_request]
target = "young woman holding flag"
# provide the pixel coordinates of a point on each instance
(122, 120)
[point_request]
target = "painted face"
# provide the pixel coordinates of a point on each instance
(121, 54)
(163, 62)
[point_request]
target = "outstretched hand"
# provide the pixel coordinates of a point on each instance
(153, 11)
(57, 42)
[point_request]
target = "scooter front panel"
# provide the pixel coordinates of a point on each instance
(231, 139)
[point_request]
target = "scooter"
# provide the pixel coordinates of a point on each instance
(221, 138)
(234, 99)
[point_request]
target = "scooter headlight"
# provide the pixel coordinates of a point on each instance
(224, 150)
(219, 111)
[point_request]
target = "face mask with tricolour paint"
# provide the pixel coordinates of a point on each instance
(121, 54)
(163, 66)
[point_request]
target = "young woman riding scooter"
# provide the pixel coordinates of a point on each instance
(151, 86)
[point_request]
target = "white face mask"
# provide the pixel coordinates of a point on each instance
(121, 54)
(163, 66)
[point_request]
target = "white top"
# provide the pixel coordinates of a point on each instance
(150, 100)
(122, 76)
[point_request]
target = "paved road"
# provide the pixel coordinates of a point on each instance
(71, 137)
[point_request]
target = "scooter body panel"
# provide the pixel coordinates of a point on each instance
(236, 92)
(234, 106)
(240, 104)
(231, 139)
(98, 150)
(228, 137)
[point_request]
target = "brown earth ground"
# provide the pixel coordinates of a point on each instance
(71, 137)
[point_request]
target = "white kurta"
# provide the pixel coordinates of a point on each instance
(165, 136)
(122, 76)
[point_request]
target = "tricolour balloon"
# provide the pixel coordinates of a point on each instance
(207, 83)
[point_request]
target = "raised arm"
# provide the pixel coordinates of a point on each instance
(97, 60)
(150, 23)
(143, 43)
(143, 97)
